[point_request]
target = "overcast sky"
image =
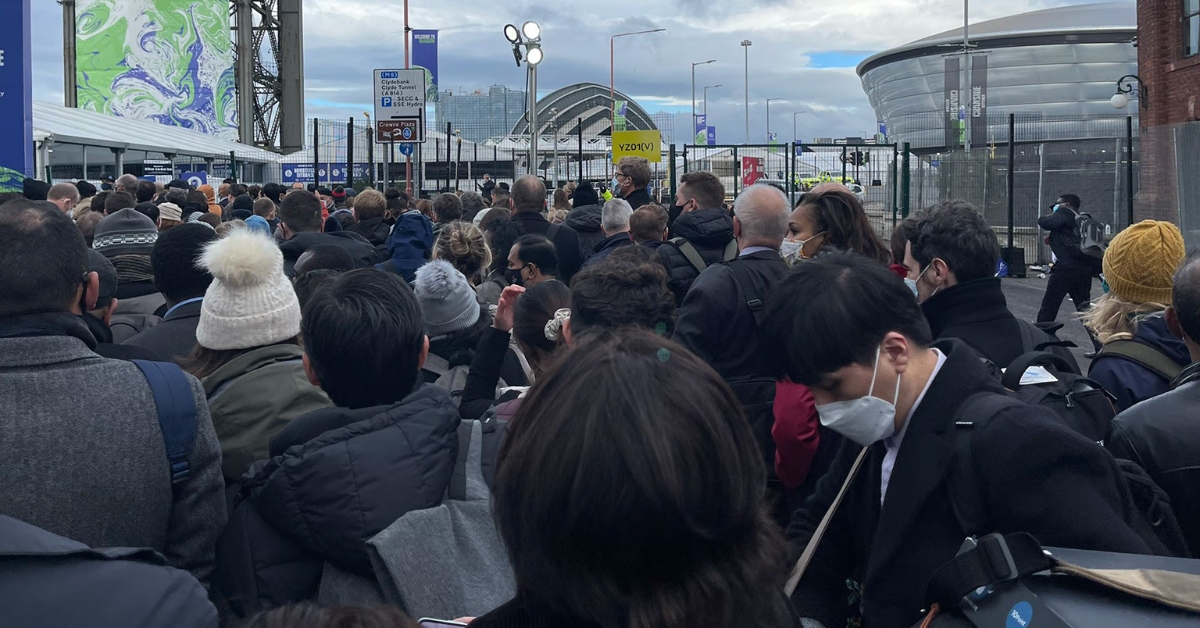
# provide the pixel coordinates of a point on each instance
(803, 52)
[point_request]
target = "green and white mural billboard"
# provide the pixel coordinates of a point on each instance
(170, 61)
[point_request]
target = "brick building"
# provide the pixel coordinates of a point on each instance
(1169, 67)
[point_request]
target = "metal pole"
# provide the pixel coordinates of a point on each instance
(245, 71)
(693, 96)
(350, 154)
(582, 176)
(70, 88)
(1129, 168)
(906, 179)
(408, 160)
(556, 151)
(533, 118)
(1012, 160)
(458, 165)
(843, 181)
(737, 172)
(967, 82)
(387, 164)
(448, 156)
(746, 47)
(612, 83)
(370, 154)
(316, 145)
(895, 186)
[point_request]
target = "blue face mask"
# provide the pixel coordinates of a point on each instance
(912, 285)
(614, 184)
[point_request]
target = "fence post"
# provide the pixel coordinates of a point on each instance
(350, 153)
(905, 178)
(685, 159)
(1129, 168)
(671, 173)
(458, 166)
(233, 166)
(843, 180)
(737, 172)
(448, 126)
(1012, 160)
(371, 156)
(582, 176)
(316, 151)
(895, 184)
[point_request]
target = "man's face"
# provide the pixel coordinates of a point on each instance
(685, 202)
(625, 183)
(486, 178)
(1060, 201)
(514, 262)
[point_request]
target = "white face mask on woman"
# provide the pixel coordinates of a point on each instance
(866, 420)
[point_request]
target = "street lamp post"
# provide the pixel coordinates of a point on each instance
(529, 37)
(554, 125)
(795, 138)
(706, 88)
(612, 81)
(694, 87)
(746, 47)
(769, 117)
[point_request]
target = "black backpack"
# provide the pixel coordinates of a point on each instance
(757, 394)
(1082, 403)
(1155, 521)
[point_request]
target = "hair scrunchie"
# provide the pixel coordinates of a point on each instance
(554, 325)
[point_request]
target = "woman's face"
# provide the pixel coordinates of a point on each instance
(802, 228)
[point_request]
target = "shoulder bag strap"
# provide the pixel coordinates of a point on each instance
(176, 409)
(689, 252)
(436, 364)
(810, 549)
(744, 284)
(552, 231)
(1144, 355)
(731, 251)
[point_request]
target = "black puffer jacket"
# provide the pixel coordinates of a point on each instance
(710, 231)
(586, 222)
(338, 477)
(376, 231)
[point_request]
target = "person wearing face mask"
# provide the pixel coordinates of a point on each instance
(877, 377)
(831, 219)
(630, 180)
(532, 260)
(700, 230)
(951, 255)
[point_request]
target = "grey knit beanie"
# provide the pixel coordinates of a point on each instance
(126, 232)
(447, 300)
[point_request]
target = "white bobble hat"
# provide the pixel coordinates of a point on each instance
(250, 302)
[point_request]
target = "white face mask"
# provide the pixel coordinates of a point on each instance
(866, 420)
(912, 285)
(790, 250)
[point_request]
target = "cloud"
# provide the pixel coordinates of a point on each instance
(803, 52)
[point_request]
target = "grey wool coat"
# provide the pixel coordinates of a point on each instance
(82, 453)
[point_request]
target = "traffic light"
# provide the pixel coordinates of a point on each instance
(856, 158)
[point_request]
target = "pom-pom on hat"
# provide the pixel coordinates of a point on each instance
(446, 299)
(250, 302)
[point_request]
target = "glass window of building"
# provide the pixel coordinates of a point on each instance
(1191, 27)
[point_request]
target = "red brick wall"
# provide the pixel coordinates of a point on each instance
(1173, 84)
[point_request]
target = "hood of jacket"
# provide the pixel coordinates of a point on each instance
(710, 228)
(375, 230)
(336, 491)
(1153, 331)
(585, 219)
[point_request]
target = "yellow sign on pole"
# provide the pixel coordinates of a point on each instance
(646, 144)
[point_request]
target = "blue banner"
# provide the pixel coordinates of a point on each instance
(195, 179)
(711, 135)
(701, 129)
(425, 55)
(16, 96)
(333, 174)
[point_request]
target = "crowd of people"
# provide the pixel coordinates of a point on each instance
(234, 406)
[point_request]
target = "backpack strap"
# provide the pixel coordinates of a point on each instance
(552, 231)
(176, 415)
(992, 560)
(731, 251)
(1027, 341)
(1143, 355)
(689, 252)
(1014, 372)
(436, 364)
(966, 493)
(746, 293)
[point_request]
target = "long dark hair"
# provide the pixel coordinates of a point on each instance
(841, 216)
(671, 531)
(533, 310)
(202, 361)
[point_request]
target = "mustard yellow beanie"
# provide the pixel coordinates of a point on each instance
(1141, 261)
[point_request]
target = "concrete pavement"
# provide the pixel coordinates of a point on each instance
(1025, 299)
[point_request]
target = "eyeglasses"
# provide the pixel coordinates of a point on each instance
(621, 174)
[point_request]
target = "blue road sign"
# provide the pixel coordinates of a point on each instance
(406, 149)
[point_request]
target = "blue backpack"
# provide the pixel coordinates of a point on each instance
(176, 416)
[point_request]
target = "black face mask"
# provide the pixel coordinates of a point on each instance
(513, 275)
